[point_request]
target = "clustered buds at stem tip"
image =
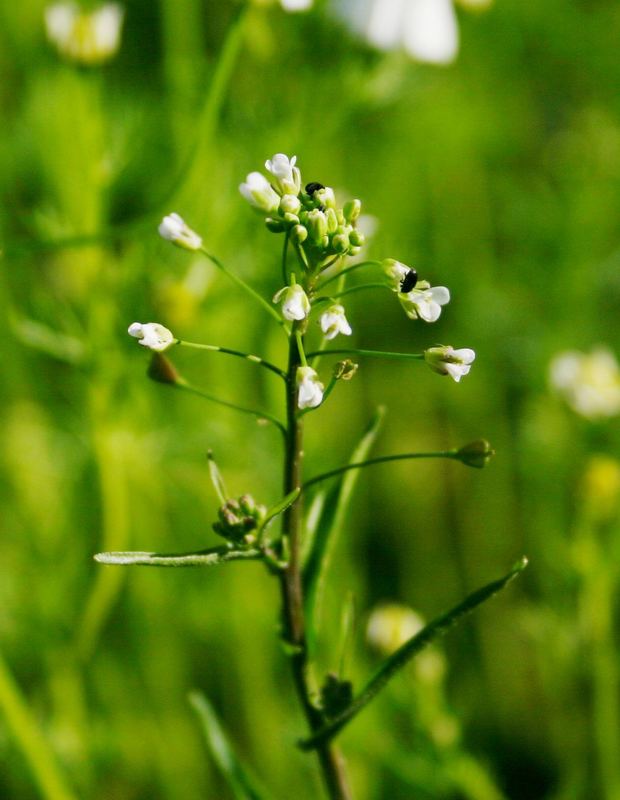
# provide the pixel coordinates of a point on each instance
(445, 360)
(309, 388)
(174, 229)
(152, 335)
(295, 303)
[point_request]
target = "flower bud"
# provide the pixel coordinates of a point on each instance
(289, 204)
(275, 225)
(316, 222)
(162, 370)
(298, 234)
(476, 454)
(259, 193)
(340, 243)
(352, 210)
(175, 230)
(237, 519)
(332, 220)
(356, 238)
(291, 219)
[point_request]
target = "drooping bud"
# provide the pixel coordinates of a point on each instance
(476, 454)
(162, 370)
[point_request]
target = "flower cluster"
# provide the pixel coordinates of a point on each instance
(309, 215)
(238, 519)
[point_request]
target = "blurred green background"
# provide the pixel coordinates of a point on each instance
(497, 176)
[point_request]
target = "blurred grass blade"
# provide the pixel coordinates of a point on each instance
(216, 479)
(332, 519)
(244, 786)
(24, 727)
(280, 507)
(43, 338)
(200, 558)
(407, 651)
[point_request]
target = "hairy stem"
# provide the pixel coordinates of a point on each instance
(291, 584)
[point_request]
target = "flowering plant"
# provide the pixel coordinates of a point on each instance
(319, 236)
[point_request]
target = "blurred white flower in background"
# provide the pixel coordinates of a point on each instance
(426, 29)
(288, 5)
(589, 382)
(87, 37)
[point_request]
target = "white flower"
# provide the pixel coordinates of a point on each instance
(309, 388)
(152, 335)
(295, 303)
(287, 175)
(259, 193)
(425, 301)
(85, 37)
(390, 625)
(296, 5)
(426, 29)
(333, 322)
(395, 272)
(175, 230)
(590, 383)
(447, 361)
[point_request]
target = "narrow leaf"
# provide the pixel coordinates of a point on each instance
(407, 651)
(243, 785)
(200, 558)
(276, 510)
(332, 520)
(216, 479)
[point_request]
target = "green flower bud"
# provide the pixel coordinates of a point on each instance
(357, 238)
(340, 243)
(289, 204)
(274, 225)
(476, 454)
(353, 251)
(316, 223)
(352, 210)
(291, 219)
(332, 220)
(237, 519)
(298, 234)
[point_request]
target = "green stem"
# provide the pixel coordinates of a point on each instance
(351, 291)
(291, 578)
(284, 259)
(453, 454)
(352, 268)
(300, 348)
(37, 752)
(246, 287)
(369, 353)
(248, 356)
(182, 384)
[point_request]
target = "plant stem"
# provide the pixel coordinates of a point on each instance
(291, 583)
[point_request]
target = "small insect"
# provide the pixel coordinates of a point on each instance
(311, 188)
(409, 281)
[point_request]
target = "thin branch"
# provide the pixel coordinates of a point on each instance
(247, 356)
